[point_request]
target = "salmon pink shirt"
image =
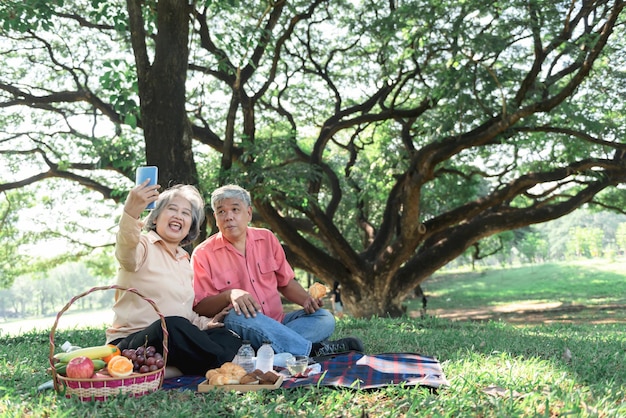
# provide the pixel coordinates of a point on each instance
(218, 266)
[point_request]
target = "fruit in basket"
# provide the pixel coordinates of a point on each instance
(117, 352)
(95, 352)
(144, 359)
(120, 366)
(61, 368)
(80, 367)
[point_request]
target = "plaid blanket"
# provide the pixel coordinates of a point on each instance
(355, 370)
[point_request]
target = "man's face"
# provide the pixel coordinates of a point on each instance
(232, 217)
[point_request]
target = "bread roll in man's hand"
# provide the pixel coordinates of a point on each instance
(318, 290)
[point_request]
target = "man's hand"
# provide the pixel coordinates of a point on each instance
(295, 293)
(312, 304)
(243, 302)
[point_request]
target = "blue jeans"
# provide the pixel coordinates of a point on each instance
(294, 335)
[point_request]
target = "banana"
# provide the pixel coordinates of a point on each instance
(96, 352)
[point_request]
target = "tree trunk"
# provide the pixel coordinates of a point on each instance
(162, 94)
(368, 301)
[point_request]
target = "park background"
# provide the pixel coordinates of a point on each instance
(578, 238)
(474, 148)
(380, 144)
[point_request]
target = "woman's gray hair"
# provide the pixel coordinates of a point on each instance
(187, 192)
(230, 191)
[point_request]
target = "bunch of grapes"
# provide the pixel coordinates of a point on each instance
(145, 359)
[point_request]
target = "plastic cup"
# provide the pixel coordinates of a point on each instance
(297, 365)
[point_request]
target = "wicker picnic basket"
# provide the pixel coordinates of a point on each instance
(100, 389)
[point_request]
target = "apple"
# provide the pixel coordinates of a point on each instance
(79, 368)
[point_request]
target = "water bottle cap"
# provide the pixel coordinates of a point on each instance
(245, 342)
(267, 342)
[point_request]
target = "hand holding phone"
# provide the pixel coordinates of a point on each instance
(147, 172)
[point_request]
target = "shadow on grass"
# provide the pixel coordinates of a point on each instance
(535, 313)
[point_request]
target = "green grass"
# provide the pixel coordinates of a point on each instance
(495, 369)
(584, 290)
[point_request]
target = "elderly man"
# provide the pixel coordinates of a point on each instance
(246, 268)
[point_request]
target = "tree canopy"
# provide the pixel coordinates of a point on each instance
(379, 140)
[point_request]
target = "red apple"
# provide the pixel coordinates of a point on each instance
(79, 368)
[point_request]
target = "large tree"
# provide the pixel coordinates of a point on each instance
(380, 140)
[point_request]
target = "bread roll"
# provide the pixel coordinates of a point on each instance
(223, 379)
(318, 290)
(249, 379)
(228, 374)
(269, 378)
(211, 372)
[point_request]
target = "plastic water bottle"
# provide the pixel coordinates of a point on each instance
(265, 357)
(245, 356)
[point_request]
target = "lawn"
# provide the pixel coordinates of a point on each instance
(495, 368)
(582, 291)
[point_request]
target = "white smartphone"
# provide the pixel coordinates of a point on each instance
(147, 172)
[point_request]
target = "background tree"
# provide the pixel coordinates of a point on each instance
(45, 293)
(379, 141)
(585, 242)
(620, 237)
(533, 247)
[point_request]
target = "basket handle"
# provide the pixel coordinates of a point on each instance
(95, 289)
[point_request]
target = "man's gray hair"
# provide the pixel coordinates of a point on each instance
(230, 191)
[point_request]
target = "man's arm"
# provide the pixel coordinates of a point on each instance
(240, 300)
(207, 302)
(212, 305)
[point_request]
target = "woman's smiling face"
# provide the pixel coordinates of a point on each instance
(174, 222)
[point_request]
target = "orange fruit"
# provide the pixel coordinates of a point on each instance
(120, 366)
(114, 354)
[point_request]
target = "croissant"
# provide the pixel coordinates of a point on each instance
(228, 374)
(233, 369)
(318, 290)
(223, 379)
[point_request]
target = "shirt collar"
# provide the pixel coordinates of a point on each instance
(155, 238)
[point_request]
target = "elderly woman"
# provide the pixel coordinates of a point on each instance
(157, 266)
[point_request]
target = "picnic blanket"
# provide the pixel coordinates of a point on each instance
(355, 370)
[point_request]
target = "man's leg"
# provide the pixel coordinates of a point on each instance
(315, 327)
(318, 327)
(263, 328)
